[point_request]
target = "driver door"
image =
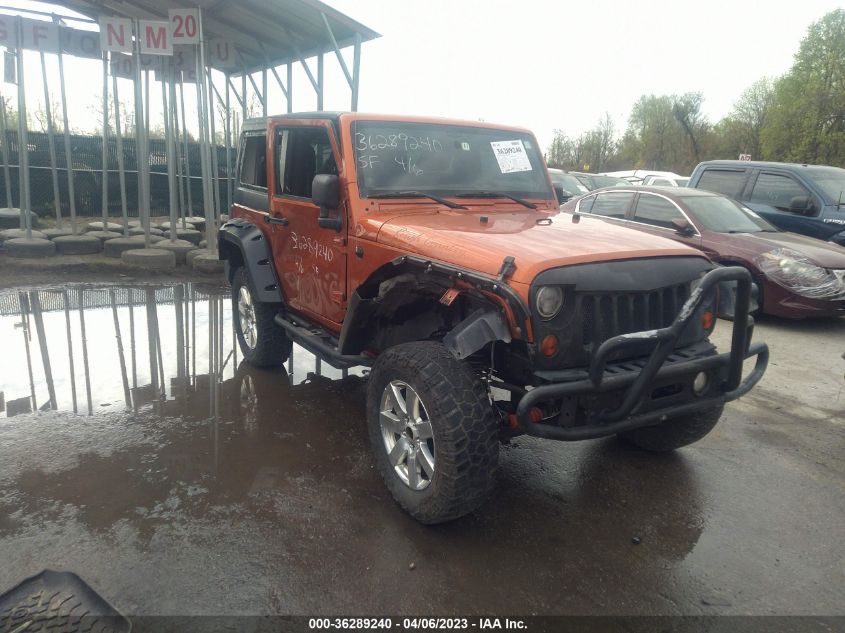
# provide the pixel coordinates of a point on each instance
(310, 260)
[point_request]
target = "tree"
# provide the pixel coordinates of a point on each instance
(807, 119)
(592, 151)
(749, 117)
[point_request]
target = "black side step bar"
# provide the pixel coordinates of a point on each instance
(319, 347)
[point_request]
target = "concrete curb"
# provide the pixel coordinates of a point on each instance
(35, 248)
(77, 245)
(149, 258)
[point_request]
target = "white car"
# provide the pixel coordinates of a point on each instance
(652, 177)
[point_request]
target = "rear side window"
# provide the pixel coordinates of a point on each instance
(723, 181)
(254, 161)
(612, 204)
(656, 211)
(776, 191)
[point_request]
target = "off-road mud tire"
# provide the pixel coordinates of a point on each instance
(674, 432)
(464, 427)
(272, 346)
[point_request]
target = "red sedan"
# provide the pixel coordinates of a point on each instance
(796, 276)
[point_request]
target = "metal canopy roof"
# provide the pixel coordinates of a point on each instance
(267, 33)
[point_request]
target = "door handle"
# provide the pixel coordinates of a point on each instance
(269, 219)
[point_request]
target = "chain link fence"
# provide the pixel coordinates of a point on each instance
(87, 159)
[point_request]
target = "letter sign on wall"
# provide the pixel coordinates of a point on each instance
(155, 37)
(116, 35)
(7, 31)
(185, 26)
(41, 36)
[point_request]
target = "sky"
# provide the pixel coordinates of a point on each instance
(543, 65)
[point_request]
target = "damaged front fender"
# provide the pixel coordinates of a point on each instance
(474, 332)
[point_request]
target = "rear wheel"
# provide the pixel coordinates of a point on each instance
(432, 430)
(674, 432)
(262, 342)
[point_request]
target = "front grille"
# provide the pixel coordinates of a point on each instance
(605, 315)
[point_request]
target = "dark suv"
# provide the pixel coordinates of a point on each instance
(806, 199)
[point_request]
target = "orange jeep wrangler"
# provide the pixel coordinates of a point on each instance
(433, 252)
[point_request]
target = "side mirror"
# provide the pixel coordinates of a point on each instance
(325, 193)
(801, 204)
(562, 195)
(683, 227)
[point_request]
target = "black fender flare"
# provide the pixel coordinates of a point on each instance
(241, 243)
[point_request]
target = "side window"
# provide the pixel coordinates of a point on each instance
(724, 181)
(586, 204)
(612, 204)
(661, 182)
(656, 211)
(301, 154)
(254, 161)
(776, 190)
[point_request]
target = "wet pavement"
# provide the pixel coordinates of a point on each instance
(138, 450)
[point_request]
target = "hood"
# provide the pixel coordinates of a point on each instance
(464, 239)
(822, 253)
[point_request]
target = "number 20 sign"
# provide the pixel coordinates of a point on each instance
(185, 26)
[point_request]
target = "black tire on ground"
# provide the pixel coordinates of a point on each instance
(463, 426)
(272, 346)
(674, 432)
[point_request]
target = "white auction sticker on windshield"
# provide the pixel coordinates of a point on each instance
(511, 156)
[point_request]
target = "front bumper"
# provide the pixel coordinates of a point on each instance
(629, 410)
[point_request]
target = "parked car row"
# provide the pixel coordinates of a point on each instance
(796, 276)
(651, 178)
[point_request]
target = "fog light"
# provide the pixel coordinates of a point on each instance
(699, 384)
(549, 346)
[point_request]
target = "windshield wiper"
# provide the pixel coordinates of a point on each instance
(417, 194)
(497, 194)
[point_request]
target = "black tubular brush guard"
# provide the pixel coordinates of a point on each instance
(626, 416)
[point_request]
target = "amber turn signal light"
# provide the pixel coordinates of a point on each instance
(708, 320)
(549, 346)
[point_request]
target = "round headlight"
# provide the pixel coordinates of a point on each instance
(549, 301)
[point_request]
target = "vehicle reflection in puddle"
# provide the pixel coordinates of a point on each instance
(99, 349)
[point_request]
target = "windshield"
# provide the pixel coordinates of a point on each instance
(723, 215)
(446, 160)
(568, 182)
(832, 182)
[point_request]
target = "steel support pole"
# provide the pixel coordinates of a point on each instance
(264, 92)
(215, 172)
(244, 99)
(228, 149)
(23, 141)
(320, 82)
(177, 141)
(140, 154)
(187, 149)
(4, 147)
(68, 151)
(167, 70)
(105, 198)
(210, 222)
(290, 87)
(51, 142)
(207, 201)
(121, 163)
(356, 71)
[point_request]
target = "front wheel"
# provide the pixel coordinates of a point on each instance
(262, 342)
(674, 432)
(432, 430)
